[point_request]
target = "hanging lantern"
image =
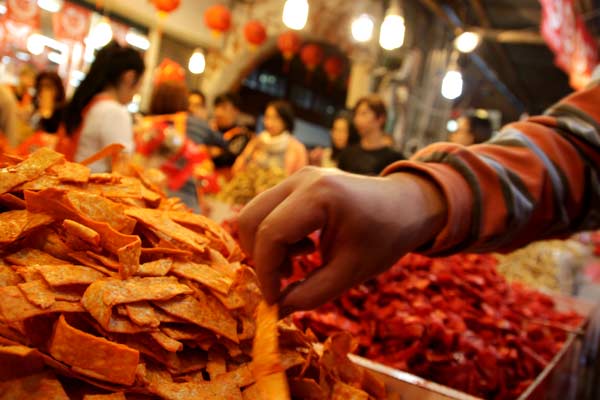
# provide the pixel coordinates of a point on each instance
(168, 71)
(255, 33)
(312, 56)
(334, 66)
(166, 6)
(289, 44)
(218, 18)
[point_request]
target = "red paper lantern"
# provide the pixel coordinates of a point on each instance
(166, 6)
(334, 66)
(289, 44)
(255, 33)
(218, 18)
(169, 71)
(312, 56)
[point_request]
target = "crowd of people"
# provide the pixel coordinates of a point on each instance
(177, 135)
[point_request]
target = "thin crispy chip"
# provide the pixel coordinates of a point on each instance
(163, 317)
(12, 202)
(165, 252)
(38, 293)
(266, 362)
(101, 209)
(93, 356)
(106, 261)
(220, 263)
(341, 391)
(29, 274)
(305, 388)
(102, 295)
(143, 314)
(68, 274)
(186, 332)
(104, 177)
(241, 376)
(290, 359)
(219, 390)
(112, 396)
(155, 268)
(203, 274)
(30, 168)
(70, 172)
(232, 301)
(40, 183)
(49, 241)
(29, 257)
(129, 258)
(16, 223)
(15, 306)
(88, 261)
(204, 311)
(216, 364)
(33, 387)
(82, 232)
(111, 150)
(160, 223)
(166, 342)
(253, 393)
(8, 276)
(151, 198)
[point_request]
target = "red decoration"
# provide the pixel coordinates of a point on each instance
(24, 11)
(334, 66)
(169, 70)
(312, 56)
(218, 18)
(255, 33)
(289, 43)
(72, 22)
(166, 6)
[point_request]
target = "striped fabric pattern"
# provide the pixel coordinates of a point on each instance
(538, 178)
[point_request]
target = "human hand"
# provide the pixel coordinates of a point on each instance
(366, 225)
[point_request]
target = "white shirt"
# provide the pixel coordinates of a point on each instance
(106, 122)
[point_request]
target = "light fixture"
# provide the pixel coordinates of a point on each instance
(56, 57)
(78, 75)
(452, 84)
(295, 14)
(50, 5)
(362, 28)
(391, 35)
(137, 40)
(466, 42)
(452, 125)
(101, 34)
(197, 62)
(2, 9)
(22, 56)
(35, 44)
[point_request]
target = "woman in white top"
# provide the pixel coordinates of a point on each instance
(97, 115)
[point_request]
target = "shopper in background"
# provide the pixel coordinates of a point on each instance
(538, 178)
(8, 119)
(373, 153)
(275, 147)
(472, 130)
(197, 105)
(343, 134)
(23, 91)
(236, 134)
(49, 101)
(96, 115)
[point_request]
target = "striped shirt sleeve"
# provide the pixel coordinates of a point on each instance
(538, 178)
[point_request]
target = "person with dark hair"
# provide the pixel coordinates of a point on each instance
(227, 121)
(197, 104)
(373, 153)
(472, 130)
(275, 147)
(49, 102)
(96, 116)
(343, 134)
(174, 140)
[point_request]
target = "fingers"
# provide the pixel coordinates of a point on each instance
(323, 285)
(290, 222)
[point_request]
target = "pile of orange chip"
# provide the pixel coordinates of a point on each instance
(110, 290)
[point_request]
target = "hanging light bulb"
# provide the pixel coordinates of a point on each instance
(391, 35)
(101, 34)
(295, 14)
(362, 28)
(35, 44)
(50, 5)
(452, 84)
(197, 62)
(466, 42)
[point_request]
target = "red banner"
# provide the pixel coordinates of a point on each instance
(24, 12)
(72, 22)
(567, 36)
